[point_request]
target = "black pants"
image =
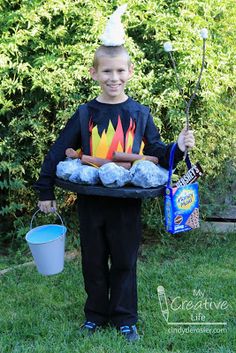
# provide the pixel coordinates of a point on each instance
(110, 232)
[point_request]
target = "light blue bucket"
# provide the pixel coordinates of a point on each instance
(47, 245)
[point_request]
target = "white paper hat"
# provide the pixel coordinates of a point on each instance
(114, 34)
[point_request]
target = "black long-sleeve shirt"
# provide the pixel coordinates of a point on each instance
(99, 129)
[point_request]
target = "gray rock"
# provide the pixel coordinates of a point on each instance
(147, 175)
(67, 167)
(112, 175)
(85, 174)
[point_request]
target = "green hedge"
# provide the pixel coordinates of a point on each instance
(46, 49)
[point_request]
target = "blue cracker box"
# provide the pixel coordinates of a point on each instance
(182, 208)
(181, 203)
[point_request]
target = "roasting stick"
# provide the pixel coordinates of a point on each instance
(169, 50)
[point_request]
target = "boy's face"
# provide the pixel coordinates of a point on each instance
(112, 73)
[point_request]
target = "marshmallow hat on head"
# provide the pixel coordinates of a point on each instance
(114, 34)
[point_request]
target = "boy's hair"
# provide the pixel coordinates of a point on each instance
(110, 51)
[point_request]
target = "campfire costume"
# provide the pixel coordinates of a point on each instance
(110, 228)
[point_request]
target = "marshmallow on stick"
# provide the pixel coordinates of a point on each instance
(114, 34)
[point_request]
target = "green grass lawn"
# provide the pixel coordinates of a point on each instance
(43, 314)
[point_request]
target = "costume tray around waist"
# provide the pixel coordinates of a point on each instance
(127, 191)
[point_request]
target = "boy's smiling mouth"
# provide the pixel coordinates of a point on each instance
(112, 86)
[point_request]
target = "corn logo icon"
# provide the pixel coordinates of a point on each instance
(163, 302)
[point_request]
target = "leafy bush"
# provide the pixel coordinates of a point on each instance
(46, 50)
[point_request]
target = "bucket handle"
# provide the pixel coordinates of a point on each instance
(32, 219)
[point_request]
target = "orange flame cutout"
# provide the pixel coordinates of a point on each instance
(117, 143)
(129, 139)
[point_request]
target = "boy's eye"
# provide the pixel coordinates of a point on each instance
(107, 70)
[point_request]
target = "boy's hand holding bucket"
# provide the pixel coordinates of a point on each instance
(47, 245)
(47, 206)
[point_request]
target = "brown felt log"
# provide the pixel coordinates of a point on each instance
(125, 165)
(132, 157)
(71, 153)
(98, 162)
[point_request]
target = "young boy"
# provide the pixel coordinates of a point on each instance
(110, 228)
